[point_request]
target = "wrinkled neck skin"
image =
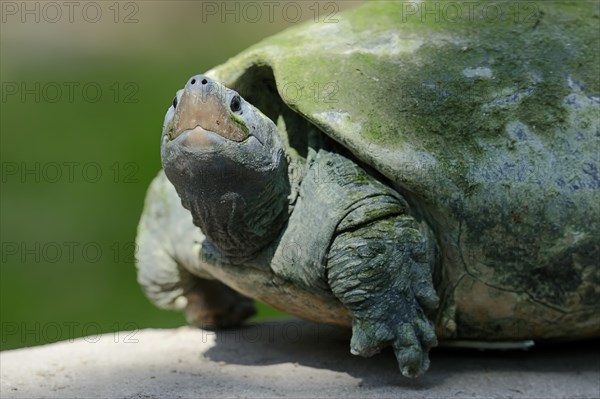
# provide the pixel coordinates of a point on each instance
(239, 204)
(237, 191)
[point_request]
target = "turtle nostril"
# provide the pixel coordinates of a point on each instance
(193, 81)
(204, 81)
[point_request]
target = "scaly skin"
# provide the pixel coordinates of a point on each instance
(361, 252)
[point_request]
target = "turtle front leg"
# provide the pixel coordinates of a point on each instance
(382, 273)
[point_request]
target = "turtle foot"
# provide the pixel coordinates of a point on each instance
(212, 305)
(411, 339)
(383, 275)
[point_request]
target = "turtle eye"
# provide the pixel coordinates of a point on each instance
(175, 102)
(236, 104)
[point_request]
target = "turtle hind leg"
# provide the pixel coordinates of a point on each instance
(212, 305)
(382, 273)
(207, 303)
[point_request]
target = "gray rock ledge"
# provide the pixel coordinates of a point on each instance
(286, 358)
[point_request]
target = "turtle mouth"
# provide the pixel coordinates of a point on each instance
(197, 137)
(200, 131)
(202, 116)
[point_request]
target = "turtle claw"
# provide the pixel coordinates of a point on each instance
(411, 361)
(411, 342)
(366, 341)
(412, 348)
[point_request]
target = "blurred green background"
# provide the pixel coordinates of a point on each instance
(84, 90)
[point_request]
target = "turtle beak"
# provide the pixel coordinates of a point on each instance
(203, 109)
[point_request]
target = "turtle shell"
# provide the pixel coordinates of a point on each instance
(486, 120)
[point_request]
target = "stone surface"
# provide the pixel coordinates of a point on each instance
(286, 358)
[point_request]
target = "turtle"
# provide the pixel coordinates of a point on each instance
(411, 177)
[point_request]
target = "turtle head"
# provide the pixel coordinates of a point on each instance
(227, 163)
